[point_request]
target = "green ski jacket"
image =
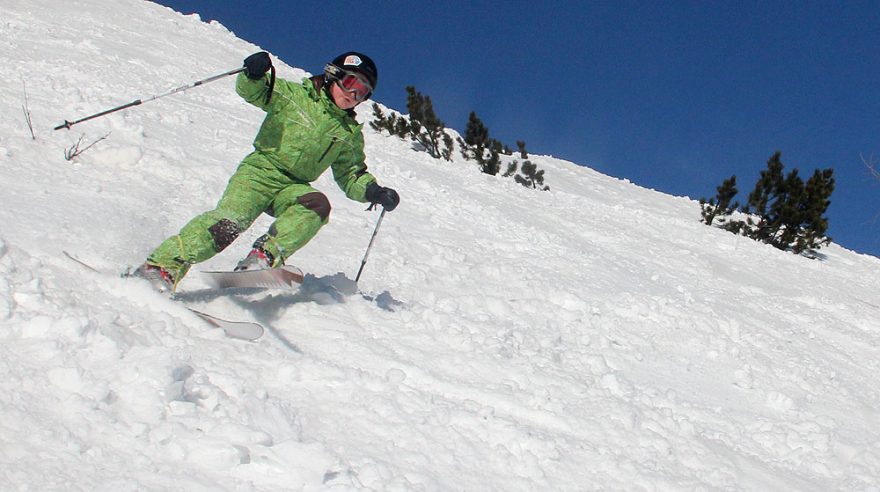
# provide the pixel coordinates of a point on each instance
(305, 132)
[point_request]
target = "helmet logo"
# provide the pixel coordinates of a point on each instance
(353, 60)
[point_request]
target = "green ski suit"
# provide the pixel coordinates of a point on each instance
(304, 132)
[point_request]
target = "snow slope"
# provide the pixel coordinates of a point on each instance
(594, 337)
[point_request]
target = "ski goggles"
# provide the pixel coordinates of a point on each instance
(355, 84)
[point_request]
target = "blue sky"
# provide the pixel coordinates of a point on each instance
(675, 96)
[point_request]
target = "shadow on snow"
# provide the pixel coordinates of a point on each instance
(326, 290)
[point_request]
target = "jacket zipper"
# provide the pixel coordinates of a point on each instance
(332, 143)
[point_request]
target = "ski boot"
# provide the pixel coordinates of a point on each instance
(257, 259)
(159, 278)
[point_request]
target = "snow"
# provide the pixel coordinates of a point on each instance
(593, 337)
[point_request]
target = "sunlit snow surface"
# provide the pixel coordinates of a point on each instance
(596, 336)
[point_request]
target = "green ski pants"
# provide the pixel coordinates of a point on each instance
(257, 186)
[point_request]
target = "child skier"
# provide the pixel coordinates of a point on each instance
(309, 127)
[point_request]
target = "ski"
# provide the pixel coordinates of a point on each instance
(284, 277)
(242, 330)
(81, 263)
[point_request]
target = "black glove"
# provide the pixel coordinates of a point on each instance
(386, 197)
(256, 65)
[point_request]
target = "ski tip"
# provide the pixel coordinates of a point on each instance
(242, 330)
(77, 260)
(296, 275)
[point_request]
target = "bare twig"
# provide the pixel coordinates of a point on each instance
(869, 163)
(27, 112)
(74, 149)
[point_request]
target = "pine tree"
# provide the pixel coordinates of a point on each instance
(391, 123)
(784, 212)
(766, 189)
(720, 206)
(817, 199)
(476, 139)
(426, 128)
(531, 177)
(422, 125)
(511, 169)
(448, 146)
(521, 145)
(493, 164)
(401, 127)
(381, 121)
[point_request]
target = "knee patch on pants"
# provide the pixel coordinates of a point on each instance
(316, 202)
(223, 233)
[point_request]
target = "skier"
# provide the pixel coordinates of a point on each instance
(309, 127)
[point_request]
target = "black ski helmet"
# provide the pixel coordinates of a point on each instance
(353, 61)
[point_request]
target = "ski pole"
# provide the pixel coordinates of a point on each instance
(376, 230)
(68, 124)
